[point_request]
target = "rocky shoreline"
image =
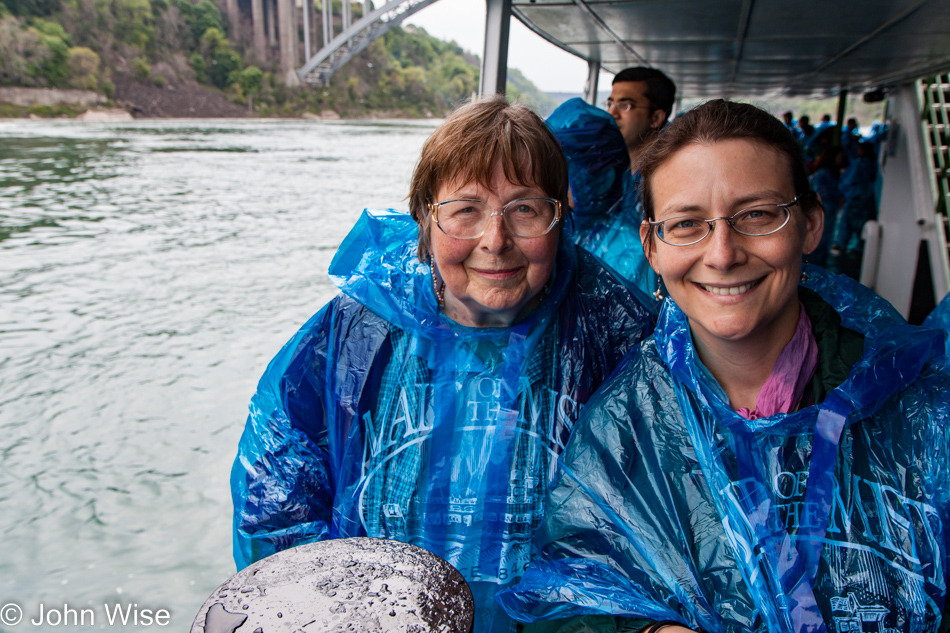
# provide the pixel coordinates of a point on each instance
(137, 100)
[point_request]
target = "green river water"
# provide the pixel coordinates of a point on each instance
(148, 272)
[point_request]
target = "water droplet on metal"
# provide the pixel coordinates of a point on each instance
(219, 620)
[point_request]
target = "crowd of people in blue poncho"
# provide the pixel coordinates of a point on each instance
(844, 173)
(591, 369)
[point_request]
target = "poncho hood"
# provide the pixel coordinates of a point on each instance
(890, 342)
(597, 158)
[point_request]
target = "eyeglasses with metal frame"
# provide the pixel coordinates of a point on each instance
(469, 219)
(624, 105)
(755, 221)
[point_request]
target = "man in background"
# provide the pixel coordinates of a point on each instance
(603, 149)
(641, 102)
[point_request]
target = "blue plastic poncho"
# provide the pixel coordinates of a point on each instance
(860, 204)
(607, 207)
(824, 182)
(939, 318)
(383, 418)
(669, 505)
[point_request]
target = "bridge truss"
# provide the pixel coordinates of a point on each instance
(354, 39)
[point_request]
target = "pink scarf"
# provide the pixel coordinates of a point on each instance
(793, 370)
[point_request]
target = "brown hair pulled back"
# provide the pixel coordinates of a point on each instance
(468, 145)
(721, 120)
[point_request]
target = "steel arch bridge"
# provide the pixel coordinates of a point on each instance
(355, 38)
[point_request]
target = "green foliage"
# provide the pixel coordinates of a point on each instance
(211, 40)
(83, 64)
(19, 48)
(29, 8)
(133, 22)
(198, 65)
(140, 69)
(51, 29)
(221, 61)
(199, 18)
(33, 52)
(225, 66)
(54, 67)
(77, 43)
(251, 80)
(10, 111)
(519, 88)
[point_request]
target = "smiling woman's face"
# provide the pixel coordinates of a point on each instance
(495, 279)
(732, 286)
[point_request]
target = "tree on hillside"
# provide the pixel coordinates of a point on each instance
(86, 43)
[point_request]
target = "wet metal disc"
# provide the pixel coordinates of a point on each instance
(356, 584)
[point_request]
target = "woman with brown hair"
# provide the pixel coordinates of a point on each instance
(776, 457)
(427, 402)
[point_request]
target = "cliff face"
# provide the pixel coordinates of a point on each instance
(185, 58)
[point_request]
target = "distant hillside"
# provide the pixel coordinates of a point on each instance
(522, 89)
(178, 58)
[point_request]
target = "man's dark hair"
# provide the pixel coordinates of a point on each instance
(661, 91)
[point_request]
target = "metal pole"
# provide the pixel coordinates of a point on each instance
(306, 30)
(906, 215)
(271, 22)
(233, 19)
(257, 20)
(593, 75)
(327, 22)
(495, 60)
(312, 17)
(839, 121)
(288, 40)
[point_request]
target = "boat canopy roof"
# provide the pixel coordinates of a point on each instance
(753, 47)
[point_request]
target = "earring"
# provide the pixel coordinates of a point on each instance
(436, 288)
(658, 294)
(804, 274)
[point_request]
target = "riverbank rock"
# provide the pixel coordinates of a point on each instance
(329, 115)
(356, 584)
(178, 97)
(111, 114)
(25, 97)
(310, 116)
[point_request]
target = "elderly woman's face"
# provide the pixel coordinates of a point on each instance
(492, 280)
(732, 286)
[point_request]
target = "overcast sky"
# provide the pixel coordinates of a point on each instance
(550, 68)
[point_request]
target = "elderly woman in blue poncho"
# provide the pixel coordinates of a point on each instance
(775, 457)
(428, 401)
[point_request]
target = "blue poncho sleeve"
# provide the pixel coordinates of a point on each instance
(283, 479)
